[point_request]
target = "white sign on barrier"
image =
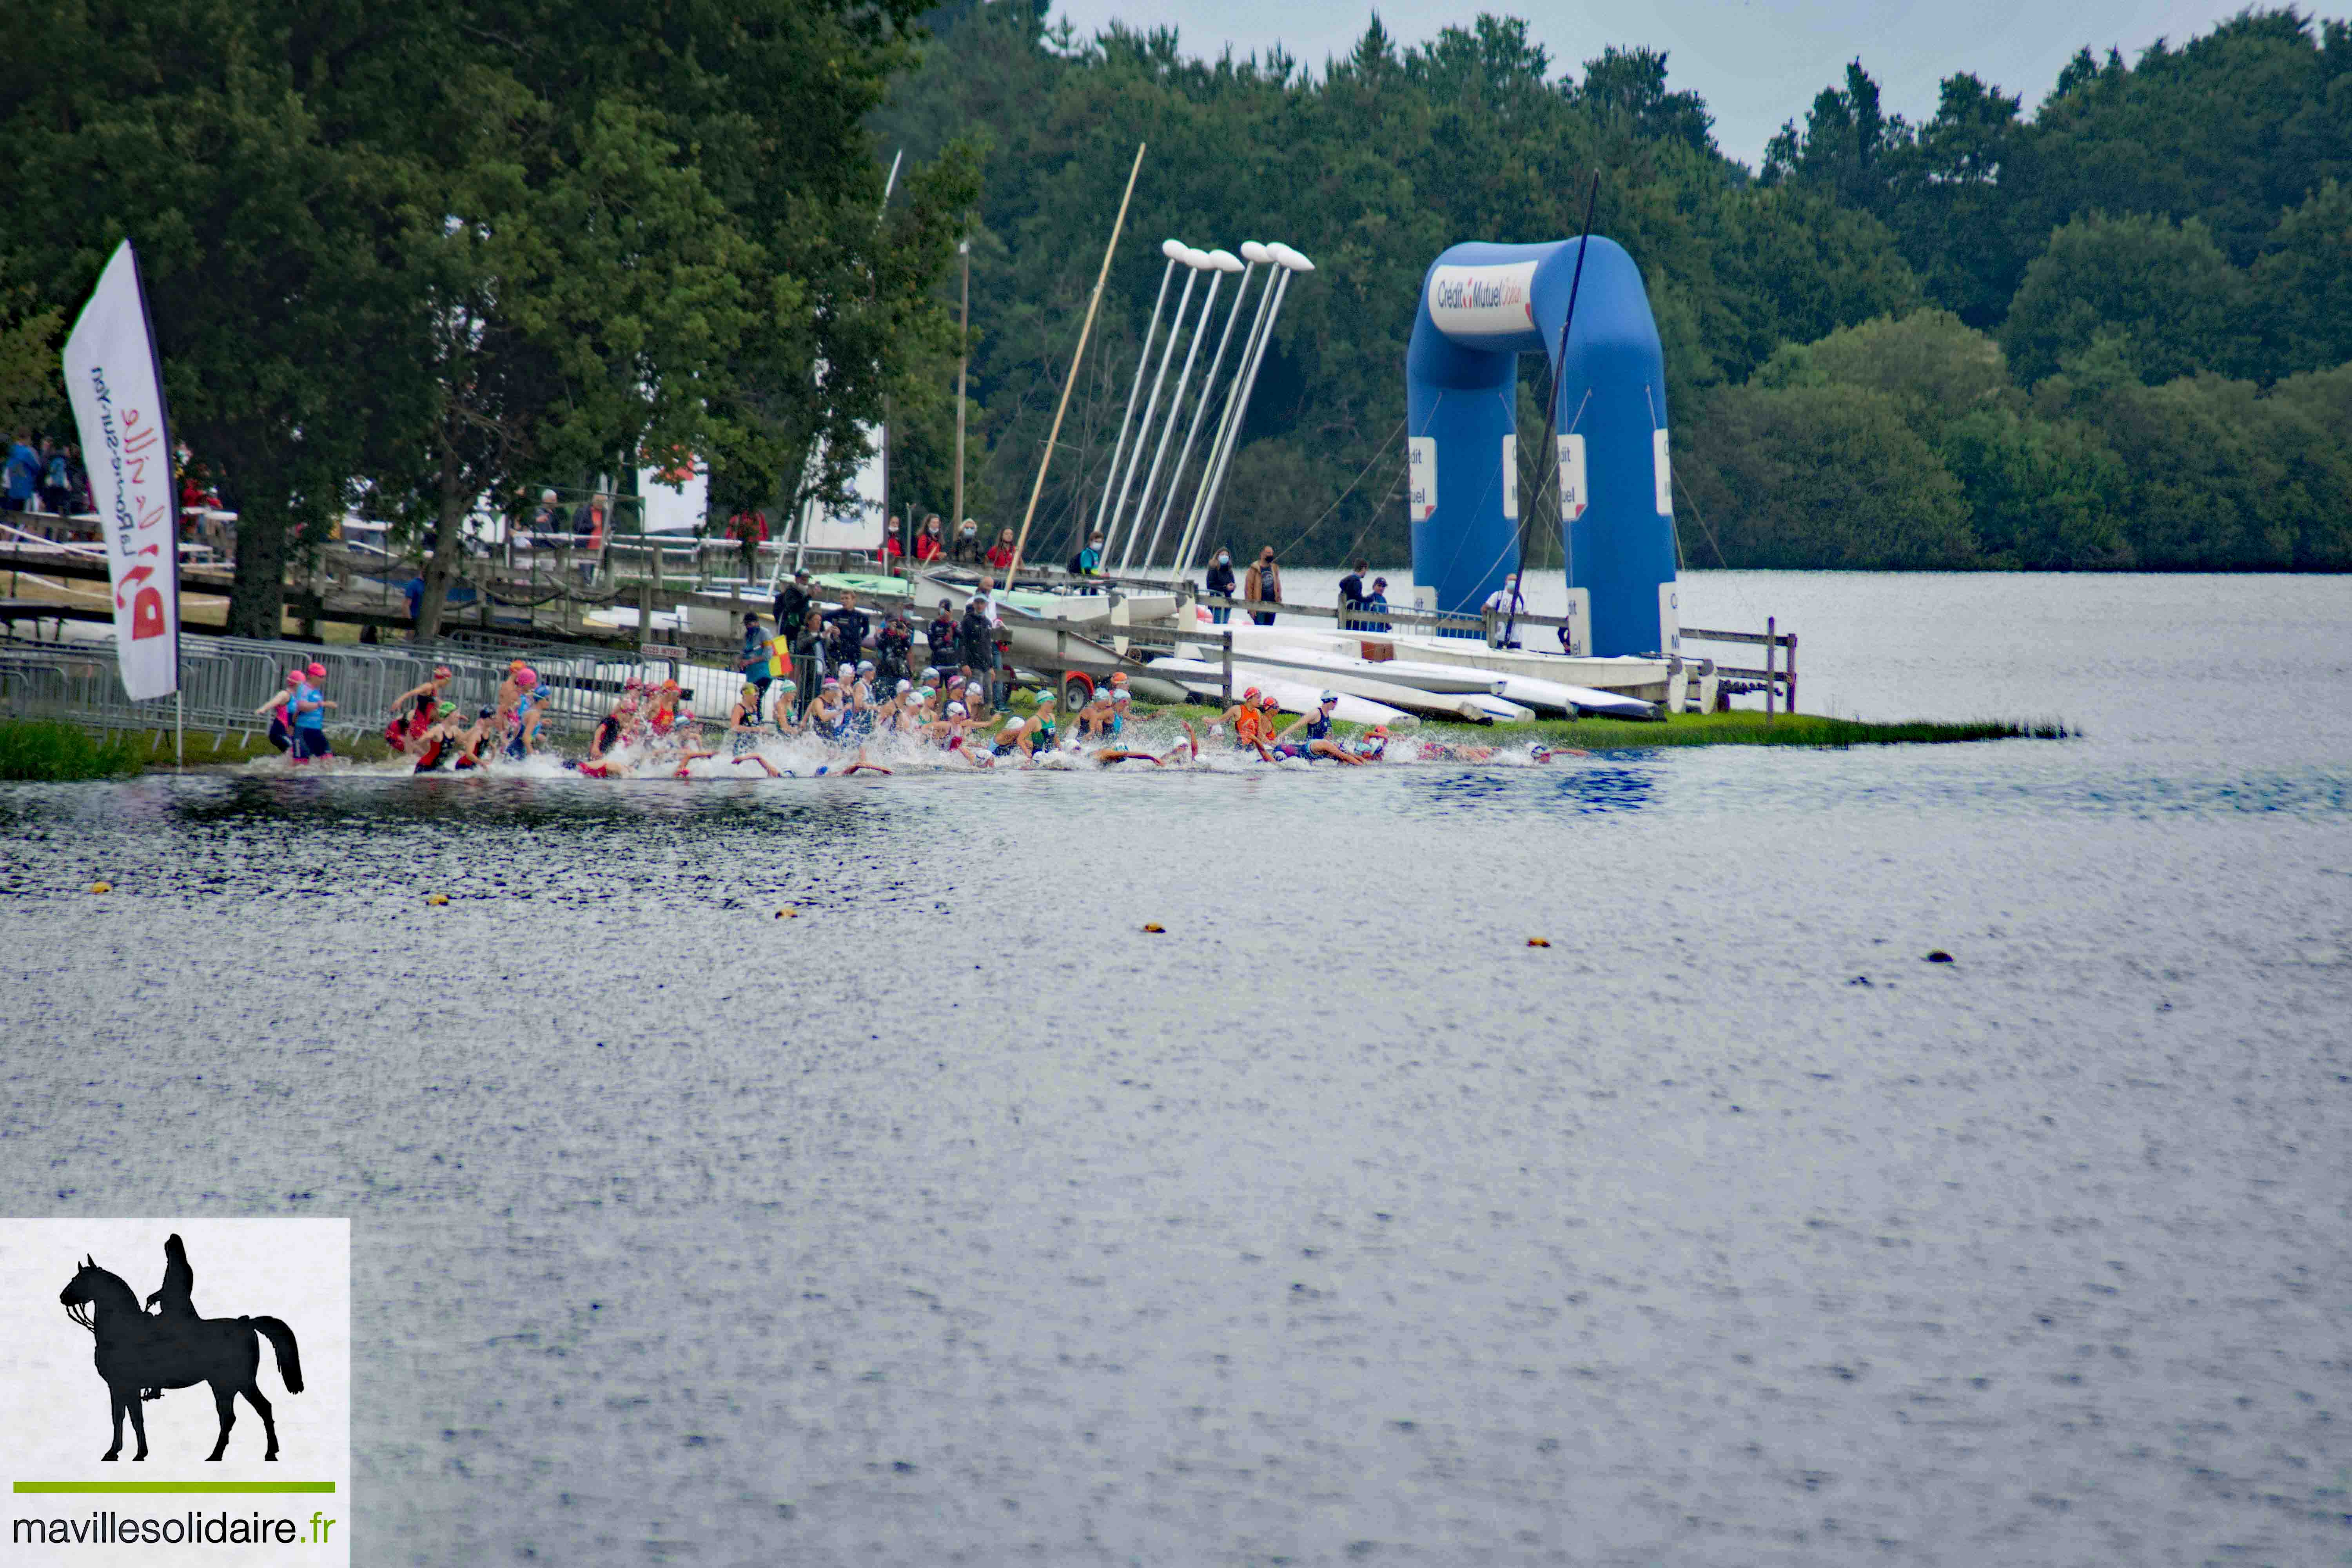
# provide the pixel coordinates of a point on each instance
(1421, 460)
(1574, 496)
(1661, 473)
(1511, 475)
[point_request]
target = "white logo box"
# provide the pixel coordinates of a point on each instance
(294, 1270)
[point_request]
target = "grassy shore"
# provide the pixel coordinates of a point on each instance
(1744, 728)
(1733, 729)
(35, 751)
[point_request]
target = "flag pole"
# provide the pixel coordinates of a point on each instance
(1070, 381)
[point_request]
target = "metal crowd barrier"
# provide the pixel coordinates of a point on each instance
(223, 681)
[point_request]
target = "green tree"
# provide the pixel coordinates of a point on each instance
(1627, 87)
(1824, 475)
(31, 337)
(1791, 266)
(2042, 495)
(2166, 287)
(212, 134)
(1949, 205)
(1934, 367)
(2302, 284)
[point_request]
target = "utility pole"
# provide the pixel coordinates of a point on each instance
(964, 365)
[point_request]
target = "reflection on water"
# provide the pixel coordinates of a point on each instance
(959, 1218)
(1588, 786)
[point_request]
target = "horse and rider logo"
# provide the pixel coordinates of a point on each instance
(141, 1355)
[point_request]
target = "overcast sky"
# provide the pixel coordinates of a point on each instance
(1756, 62)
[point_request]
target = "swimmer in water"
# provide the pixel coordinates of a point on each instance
(529, 725)
(478, 737)
(1370, 746)
(437, 742)
(1318, 741)
(1253, 721)
(280, 710)
(1093, 718)
(1031, 741)
(743, 721)
(828, 711)
(785, 691)
(422, 703)
(612, 734)
(510, 688)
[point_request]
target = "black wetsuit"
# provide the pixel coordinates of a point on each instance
(848, 627)
(892, 645)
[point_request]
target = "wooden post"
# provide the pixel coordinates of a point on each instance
(644, 612)
(1770, 643)
(1229, 666)
(963, 364)
(1793, 672)
(1069, 382)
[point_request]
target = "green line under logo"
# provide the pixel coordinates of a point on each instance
(176, 1485)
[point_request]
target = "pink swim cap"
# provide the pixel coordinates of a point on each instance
(293, 677)
(315, 671)
(527, 680)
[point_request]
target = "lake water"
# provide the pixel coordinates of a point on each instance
(959, 1220)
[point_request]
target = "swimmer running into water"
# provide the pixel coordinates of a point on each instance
(1317, 726)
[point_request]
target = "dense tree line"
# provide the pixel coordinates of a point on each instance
(2114, 332)
(407, 253)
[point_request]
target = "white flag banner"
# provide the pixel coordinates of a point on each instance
(117, 386)
(674, 500)
(860, 524)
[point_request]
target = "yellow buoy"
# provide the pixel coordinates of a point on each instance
(101, 887)
(437, 899)
(1539, 941)
(788, 914)
(1156, 930)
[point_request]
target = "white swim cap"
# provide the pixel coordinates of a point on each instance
(955, 710)
(905, 687)
(1121, 694)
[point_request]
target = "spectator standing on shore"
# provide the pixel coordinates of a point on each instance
(758, 663)
(589, 521)
(966, 550)
(22, 473)
(893, 552)
(894, 647)
(976, 635)
(808, 653)
(848, 626)
(547, 524)
(792, 605)
(590, 528)
(932, 543)
(1506, 605)
(1351, 593)
(1262, 586)
(946, 644)
(1221, 584)
(1000, 554)
(1088, 561)
(1372, 605)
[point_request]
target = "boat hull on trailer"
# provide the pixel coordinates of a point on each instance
(1643, 678)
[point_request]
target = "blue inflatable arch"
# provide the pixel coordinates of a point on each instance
(1482, 306)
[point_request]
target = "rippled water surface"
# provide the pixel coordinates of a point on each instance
(957, 1219)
